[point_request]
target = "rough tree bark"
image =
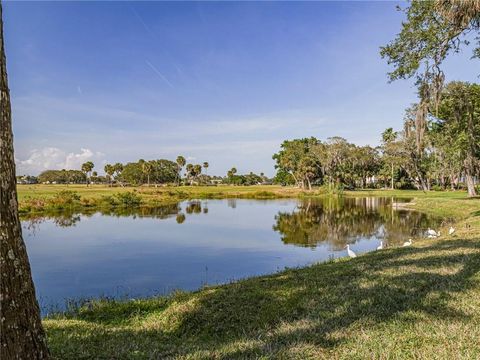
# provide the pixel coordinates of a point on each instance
(472, 148)
(22, 335)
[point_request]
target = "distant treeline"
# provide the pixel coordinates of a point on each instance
(160, 171)
(62, 177)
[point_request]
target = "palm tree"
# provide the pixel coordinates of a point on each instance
(109, 170)
(87, 168)
(388, 138)
(189, 171)
(197, 169)
(231, 173)
(22, 333)
(180, 164)
(147, 167)
(205, 166)
(118, 168)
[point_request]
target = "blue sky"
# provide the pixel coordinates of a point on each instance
(219, 82)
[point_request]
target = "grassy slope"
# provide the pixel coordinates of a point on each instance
(417, 302)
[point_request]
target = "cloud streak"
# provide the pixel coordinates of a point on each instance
(160, 75)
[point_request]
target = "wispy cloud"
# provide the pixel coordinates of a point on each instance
(159, 73)
(137, 15)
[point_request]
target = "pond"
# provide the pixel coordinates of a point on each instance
(132, 253)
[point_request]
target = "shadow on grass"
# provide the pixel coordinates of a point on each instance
(315, 306)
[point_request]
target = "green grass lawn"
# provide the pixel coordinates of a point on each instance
(421, 302)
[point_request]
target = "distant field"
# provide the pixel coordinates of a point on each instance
(40, 190)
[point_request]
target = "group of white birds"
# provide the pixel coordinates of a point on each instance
(430, 234)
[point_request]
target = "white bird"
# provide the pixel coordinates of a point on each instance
(451, 230)
(431, 232)
(380, 247)
(408, 243)
(350, 252)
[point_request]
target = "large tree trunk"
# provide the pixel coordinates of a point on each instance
(470, 185)
(22, 335)
(470, 182)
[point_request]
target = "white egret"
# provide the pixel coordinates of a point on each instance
(451, 230)
(350, 252)
(408, 243)
(380, 247)
(431, 232)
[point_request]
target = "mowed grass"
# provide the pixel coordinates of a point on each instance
(420, 302)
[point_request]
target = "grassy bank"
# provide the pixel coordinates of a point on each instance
(38, 198)
(417, 302)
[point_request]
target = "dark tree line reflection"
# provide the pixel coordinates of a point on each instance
(334, 221)
(65, 218)
(341, 221)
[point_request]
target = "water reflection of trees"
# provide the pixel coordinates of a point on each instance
(65, 218)
(339, 221)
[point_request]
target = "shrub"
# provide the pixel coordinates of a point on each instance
(88, 202)
(128, 199)
(108, 200)
(32, 204)
(64, 198)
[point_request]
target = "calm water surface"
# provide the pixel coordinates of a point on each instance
(133, 253)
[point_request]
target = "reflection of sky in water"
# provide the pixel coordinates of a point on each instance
(134, 255)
